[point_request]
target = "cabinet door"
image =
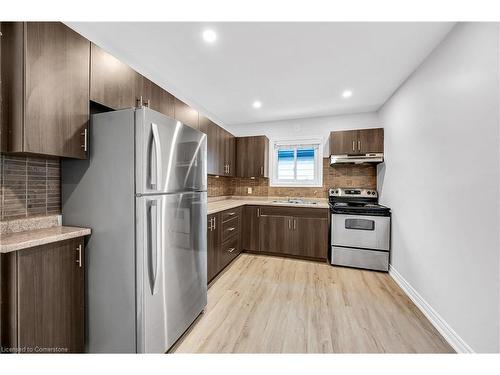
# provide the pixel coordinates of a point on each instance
(214, 150)
(275, 234)
(112, 83)
(252, 156)
(344, 142)
(371, 141)
(186, 114)
(310, 237)
(250, 232)
(56, 93)
(212, 247)
(203, 124)
(223, 150)
(50, 282)
(229, 153)
(156, 98)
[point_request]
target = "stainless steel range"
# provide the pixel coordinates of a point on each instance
(360, 229)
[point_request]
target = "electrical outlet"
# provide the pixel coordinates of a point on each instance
(249, 190)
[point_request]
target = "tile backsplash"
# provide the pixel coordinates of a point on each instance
(342, 175)
(29, 186)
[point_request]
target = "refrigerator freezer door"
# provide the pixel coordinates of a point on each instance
(171, 267)
(170, 157)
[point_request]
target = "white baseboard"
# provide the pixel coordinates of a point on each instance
(436, 320)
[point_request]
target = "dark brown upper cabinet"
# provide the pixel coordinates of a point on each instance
(203, 124)
(371, 141)
(45, 89)
(252, 156)
(355, 142)
(112, 83)
(214, 149)
(186, 114)
(229, 155)
(221, 149)
(154, 97)
(43, 305)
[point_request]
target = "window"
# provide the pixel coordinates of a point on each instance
(297, 163)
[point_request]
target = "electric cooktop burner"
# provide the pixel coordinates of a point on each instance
(356, 202)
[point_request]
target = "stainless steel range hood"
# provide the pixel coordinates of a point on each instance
(357, 159)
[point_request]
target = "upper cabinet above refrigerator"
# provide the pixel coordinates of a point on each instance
(112, 83)
(45, 89)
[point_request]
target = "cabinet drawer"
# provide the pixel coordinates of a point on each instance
(230, 214)
(228, 251)
(294, 211)
(230, 228)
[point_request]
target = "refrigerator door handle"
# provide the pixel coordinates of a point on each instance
(155, 173)
(154, 241)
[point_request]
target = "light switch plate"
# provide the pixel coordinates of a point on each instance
(249, 190)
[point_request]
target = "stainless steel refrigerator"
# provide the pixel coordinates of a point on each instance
(142, 191)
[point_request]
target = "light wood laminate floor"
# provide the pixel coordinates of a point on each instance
(263, 304)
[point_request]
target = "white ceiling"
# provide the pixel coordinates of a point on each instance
(295, 69)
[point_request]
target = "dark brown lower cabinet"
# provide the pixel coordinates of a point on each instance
(212, 247)
(275, 235)
(224, 240)
(310, 237)
(250, 228)
(43, 299)
(300, 232)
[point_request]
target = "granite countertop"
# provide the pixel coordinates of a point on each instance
(36, 237)
(219, 204)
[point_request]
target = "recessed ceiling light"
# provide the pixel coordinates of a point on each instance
(209, 36)
(257, 104)
(347, 94)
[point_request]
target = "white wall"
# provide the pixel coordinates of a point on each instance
(316, 127)
(441, 179)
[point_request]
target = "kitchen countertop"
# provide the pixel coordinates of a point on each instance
(218, 204)
(36, 237)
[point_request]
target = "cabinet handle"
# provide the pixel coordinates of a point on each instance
(258, 212)
(294, 224)
(262, 170)
(214, 221)
(231, 213)
(79, 259)
(289, 225)
(231, 229)
(138, 101)
(353, 145)
(359, 145)
(85, 139)
(231, 249)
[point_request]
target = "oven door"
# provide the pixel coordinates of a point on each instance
(360, 231)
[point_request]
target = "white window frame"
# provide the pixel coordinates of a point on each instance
(318, 163)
